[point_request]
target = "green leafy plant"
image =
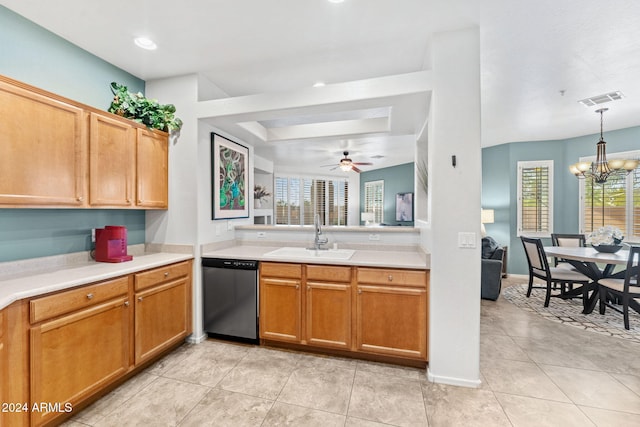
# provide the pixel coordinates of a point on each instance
(149, 112)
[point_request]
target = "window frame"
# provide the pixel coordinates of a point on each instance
(378, 213)
(528, 164)
(631, 179)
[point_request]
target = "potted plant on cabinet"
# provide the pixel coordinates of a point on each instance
(136, 106)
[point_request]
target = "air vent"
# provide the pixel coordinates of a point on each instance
(601, 99)
(377, 156)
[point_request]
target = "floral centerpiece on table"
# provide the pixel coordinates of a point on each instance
(260, 193)
(608, 236)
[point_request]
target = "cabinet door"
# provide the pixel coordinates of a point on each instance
(152, 160)
(392, 321)
(76, 355)
(328, 319)
(111, 162)
(280, 309)
(161, 318)
(42, 150)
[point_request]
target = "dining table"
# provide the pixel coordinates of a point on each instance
(593, 264)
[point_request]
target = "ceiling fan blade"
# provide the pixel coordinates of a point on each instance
(355, 169)
(363, 164)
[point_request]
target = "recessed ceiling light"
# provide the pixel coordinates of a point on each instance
(318, 84)
(145, 43)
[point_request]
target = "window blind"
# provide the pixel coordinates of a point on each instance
(535, 198)
(373, 199)
(306, 197)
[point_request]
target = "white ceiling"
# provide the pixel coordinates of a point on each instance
(538, 58)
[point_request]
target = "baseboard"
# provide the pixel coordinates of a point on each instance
(452, 381)
(192, 339)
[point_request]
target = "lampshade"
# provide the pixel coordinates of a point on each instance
(486, 216)
(367, 216)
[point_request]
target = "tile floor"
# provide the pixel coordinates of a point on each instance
(535, 373)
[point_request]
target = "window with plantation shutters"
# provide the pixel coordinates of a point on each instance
(615, 203)
(373, 199)
(303, 198)
(535, 198)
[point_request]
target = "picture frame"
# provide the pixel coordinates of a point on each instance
(229, 178)
(404, 207)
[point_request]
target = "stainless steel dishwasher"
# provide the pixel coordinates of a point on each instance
(230, 299)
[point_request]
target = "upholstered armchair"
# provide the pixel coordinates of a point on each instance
(491, 270)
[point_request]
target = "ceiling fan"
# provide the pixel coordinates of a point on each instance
(346, 164)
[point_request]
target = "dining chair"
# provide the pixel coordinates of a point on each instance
(626, 290)
(539, 267)
(566, 240)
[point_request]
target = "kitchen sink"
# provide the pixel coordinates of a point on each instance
(304, 253)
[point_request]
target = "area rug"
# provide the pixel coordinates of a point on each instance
(569, 312)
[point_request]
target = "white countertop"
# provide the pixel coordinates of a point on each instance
(56, 279)
(368, 258)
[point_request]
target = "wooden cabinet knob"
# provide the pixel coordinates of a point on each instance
(140, 299)
(166, 274)
(390, 278)
(126, 303)
(79, 198)
(359, 291)
(89, 296)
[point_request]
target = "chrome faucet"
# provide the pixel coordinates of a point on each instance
(318, 241)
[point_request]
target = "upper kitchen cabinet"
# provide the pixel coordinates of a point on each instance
(152, 167)
(111, 162)
(43, 149)
(55, 152)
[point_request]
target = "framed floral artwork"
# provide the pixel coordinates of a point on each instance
(230, 179)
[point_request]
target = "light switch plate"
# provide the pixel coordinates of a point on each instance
(375, 237)
(262, 234)
(466, 240)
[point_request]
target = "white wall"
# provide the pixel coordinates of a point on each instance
(454, 322)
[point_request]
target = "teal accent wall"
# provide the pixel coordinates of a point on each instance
(500, 180)
(397, 179)
(33, 55)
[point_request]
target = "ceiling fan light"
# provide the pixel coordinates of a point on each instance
(574, 169)
(345, 166)
(583, 166)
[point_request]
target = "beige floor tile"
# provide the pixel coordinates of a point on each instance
(451, 406)
(521, 378)
(109, 403)
(323, 361)
(176, 356)
(262, 373)
(221, 408)
(282, 414)
(631, 381)
(387, 399)
(358, 422)
(501, 347)
(552, 352)
(391, 370)
(531, 412)
(207, 364)
(316, 388)
(605, 418)
(164, 402)
(594, 389)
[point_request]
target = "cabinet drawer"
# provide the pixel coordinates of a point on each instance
(387, 276)
(329, 273)
(162, 274)
(277, 269)
(65, 302)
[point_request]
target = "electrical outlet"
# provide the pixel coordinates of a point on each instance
(466, 240)
(229, 226)
(375, 237)
(218, 229)
(93, 235)
(262, 234)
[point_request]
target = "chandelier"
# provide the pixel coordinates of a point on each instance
(601, 169)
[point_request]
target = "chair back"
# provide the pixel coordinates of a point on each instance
(570, 240)
(633, 270)
(536, 257)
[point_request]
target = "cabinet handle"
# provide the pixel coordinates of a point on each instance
(359, 291)
(297, 286)
(139, 201)
(126, 303)
(140, 299)
(79, 198)
(166, 274)
(390, 278)
(89, 296)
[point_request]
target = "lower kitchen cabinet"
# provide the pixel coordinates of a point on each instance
(64, 348)
(391, 312)
(162, 314)
(373, 311)
(328, 306)
(75, 355)
(281, 302)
